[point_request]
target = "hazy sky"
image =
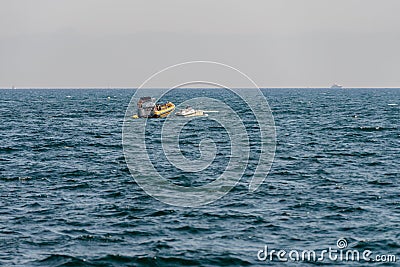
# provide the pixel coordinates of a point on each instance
(278, 43)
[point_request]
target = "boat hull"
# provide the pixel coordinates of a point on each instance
(144, 113)
(164, 111)
(185, 112)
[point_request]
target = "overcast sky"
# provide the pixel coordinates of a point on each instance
(278, 43)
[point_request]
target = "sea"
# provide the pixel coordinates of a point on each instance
(68, 198)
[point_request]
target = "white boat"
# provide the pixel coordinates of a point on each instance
(191, 112)
(186, 111)
(197, 113)
(336, 86)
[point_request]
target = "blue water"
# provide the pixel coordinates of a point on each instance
(68, 199)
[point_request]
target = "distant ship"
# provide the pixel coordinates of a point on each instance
(336, 86)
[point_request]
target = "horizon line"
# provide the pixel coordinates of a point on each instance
(260, 87)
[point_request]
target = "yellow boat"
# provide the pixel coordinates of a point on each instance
(162, 110)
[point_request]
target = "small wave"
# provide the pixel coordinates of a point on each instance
(117, 260)
(8, 149)
(342, 209)
(374, 163)
(75, 232)
(288, 158)
(390, 174)
(380, 182)
(74, 187)
(354, 154)
(285, 173)
(191, 229)
(376, 244)
(161, 213)
(371, 128)
(76, 173)
(206, 260)
(32, 205)
(61, 260)
(118, 146)
(136, 233)
(335, 217)
(18, 178)
(99, 238)
(49, 144)
(321, 171)
(227, 260)
(114, 195)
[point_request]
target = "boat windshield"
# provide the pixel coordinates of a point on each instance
(148, 104)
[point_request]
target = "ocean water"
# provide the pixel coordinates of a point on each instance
(68, 198)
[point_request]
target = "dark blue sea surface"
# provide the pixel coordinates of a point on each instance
(68, 198)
